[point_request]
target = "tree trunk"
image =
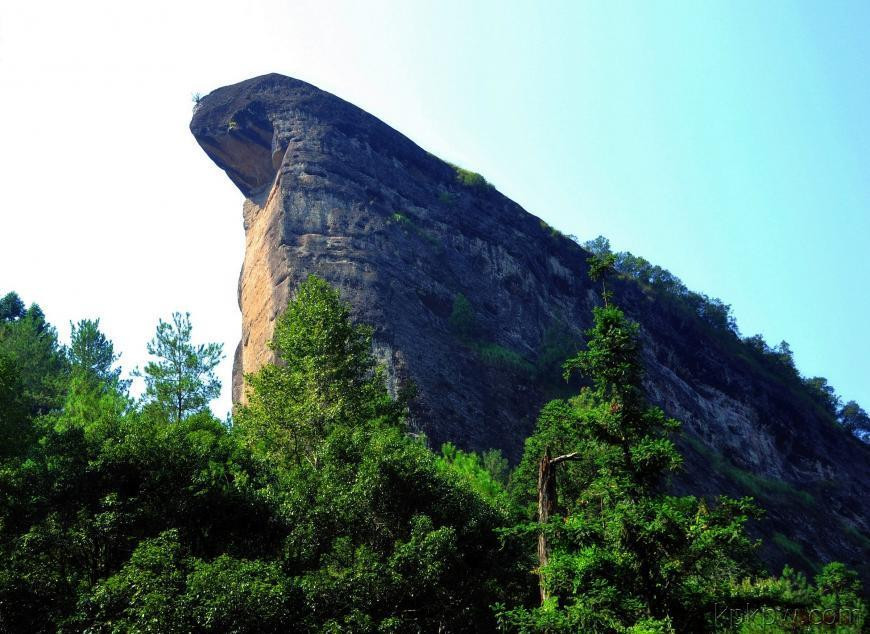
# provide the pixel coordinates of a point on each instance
(546, 505)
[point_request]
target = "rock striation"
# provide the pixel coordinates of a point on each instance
(477, 302)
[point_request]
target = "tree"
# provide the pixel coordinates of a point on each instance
(853, 418)
(615, 551)
(824, 393)
(96, 395)
(784, 355)
(91, 352)
(600, 246)
(601, 267)
(485, 473)
(31, 345)
(327, 376)
(840, 596)
(11, 307)
(181, 381)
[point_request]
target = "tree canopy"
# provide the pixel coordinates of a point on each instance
(181, 380)
(616, 550)
(317, 511)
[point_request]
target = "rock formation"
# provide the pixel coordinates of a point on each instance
(477, 301)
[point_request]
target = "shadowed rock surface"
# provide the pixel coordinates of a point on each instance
(412, 242)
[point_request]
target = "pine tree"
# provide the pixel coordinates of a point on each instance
(182, 380)
(615, 550)
(30, 343)
(92, 353)
(11, 307)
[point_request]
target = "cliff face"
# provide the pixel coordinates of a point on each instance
(477, 302)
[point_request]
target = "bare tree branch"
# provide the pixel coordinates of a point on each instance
(575, 455)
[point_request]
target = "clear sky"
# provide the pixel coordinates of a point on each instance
(728, 142)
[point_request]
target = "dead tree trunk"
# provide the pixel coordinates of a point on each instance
(546, 508)
(546, 505)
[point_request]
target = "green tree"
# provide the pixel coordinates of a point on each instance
(384, 536)
(853, 417)
(96, 395)
(11, 307)
(600, 246)
(824, 393)
(91, 352)
(181, 381)
(840, 596)
(327, 376)
(615, 551)
(485, 473)
(31, 345)
(601, 267)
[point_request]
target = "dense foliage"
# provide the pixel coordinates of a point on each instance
(316, 511)
(623, 551)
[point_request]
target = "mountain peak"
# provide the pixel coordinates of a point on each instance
(477, 302)
(247, 127)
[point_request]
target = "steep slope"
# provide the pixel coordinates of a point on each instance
(477, 301)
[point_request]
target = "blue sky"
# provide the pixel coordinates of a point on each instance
(728, 142)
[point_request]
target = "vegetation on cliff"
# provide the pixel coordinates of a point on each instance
(316, 510)
(716, 314)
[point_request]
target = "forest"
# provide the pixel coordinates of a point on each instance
(315, 508)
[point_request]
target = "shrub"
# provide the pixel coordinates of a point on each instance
(471, 179)
(447, 198)
(462, 319)
(495, 355)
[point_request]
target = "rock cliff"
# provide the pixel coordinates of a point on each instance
(477, 302)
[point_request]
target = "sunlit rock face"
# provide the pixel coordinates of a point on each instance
(332, 190)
